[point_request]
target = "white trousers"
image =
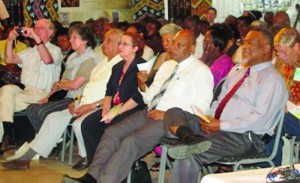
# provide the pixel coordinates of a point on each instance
(52, 130)
(13, 99)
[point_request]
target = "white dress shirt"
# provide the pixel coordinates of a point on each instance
(95, 89)
(191, 87)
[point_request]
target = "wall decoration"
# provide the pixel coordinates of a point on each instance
(200, 7)
(148, 7)
(36, 9)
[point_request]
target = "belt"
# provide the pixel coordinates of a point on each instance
(265, 138)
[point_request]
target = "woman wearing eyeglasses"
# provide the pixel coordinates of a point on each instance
(121, 89)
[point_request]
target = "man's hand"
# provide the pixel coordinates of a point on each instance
(212, 126)
(72, 110)
(54, 87)
(12, 35)
(142, 77)
(157, 114)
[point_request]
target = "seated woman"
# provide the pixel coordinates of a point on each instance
(215, 41)
(167, 33)
(77, 73)
(121, 88)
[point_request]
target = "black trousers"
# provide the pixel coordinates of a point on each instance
(92, 130)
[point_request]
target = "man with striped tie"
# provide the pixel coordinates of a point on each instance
(243, 118)
(183, 82)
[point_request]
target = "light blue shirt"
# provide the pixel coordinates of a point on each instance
(256, 105)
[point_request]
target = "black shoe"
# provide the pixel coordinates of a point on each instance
(81, 164)
(188, 146)
(87, 178)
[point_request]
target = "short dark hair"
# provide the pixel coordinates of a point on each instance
(219, 34)
(85, 33)
(140, 28)
(212, 8)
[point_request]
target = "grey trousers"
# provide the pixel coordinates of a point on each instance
(124, 143)
(223, 144)
(37, 113)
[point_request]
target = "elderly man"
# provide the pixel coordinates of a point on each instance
(185, 83)
(41, 67)
(92, 95)
(245, 114)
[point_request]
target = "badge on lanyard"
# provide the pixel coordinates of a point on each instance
(297, 74)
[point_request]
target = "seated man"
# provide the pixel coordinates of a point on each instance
(245, 114)
(40, 69)
(183, 82)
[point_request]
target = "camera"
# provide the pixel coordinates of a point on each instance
(20, 31)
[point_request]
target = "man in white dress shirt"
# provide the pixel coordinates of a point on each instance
(190, 86)
(41, 66)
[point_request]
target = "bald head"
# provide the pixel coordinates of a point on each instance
(183, 45)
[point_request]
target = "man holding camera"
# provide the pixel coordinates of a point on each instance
(41, 67)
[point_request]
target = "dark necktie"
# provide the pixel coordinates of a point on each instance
(163, 89)
(224, 101)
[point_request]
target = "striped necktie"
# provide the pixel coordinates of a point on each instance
(224, 101)
(163, 89)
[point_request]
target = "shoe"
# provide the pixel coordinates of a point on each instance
(87, 178)
(7, 143)
(81, 164)
(16, 164)
(188, 146)
(18, 153)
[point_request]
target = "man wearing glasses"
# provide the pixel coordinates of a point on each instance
(41, 67)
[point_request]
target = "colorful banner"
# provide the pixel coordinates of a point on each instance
(38, 9)
(144, 7)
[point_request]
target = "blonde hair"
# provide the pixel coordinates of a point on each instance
(287, 36)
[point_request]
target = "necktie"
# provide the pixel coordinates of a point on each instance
(163, 89)
(224, 101)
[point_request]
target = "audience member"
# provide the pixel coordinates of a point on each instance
(98, 29)
(154, 38)
(142, 31)
(125, 142)
(287, 46)
(215, 41)
(77, 74)
(268, 18)
(280, 20)
(192, 23)
(41, 67)
(211, 15)
(245, 114)
(230, 19)
(121, 89)
(167, 32)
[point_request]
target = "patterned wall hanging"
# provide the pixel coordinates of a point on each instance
(143, 8)
(200, 7)
(37, 9)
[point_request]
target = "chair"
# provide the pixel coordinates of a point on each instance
(237, 162)
(294, 149)
(70, 144)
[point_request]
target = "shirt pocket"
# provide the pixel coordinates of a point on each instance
(176, 88)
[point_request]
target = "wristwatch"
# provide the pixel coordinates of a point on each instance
(98, 105)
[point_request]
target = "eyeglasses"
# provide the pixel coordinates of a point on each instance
(125, 44)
